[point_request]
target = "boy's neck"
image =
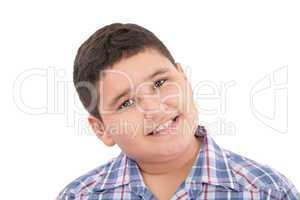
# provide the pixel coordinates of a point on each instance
(181, 164)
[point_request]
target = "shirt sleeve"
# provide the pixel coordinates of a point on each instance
(290, 192)
(65, 195)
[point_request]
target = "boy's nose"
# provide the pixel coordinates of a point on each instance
(149, 105)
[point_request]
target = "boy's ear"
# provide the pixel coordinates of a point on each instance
(180, 69)
(100, 131)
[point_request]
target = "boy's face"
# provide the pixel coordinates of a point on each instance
(151, 101)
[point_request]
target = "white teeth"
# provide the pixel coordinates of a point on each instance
(163, 126)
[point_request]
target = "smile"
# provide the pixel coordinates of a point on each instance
(165, 128)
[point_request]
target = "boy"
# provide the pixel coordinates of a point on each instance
(139, 98)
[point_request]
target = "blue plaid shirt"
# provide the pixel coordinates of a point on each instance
(216, 174)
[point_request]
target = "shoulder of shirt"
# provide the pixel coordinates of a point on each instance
(253, 176)
(85, 183)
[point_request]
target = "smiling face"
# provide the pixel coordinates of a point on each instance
(140, 93)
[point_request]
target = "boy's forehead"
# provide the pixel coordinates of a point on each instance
(137, 68)
(141, 63)
(143, 73)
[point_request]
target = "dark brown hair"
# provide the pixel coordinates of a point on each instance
(102, 49)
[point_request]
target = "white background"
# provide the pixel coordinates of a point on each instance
(250, 45)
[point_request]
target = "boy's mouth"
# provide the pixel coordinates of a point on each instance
(165, 128)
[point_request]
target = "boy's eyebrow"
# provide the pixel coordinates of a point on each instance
(127, 90)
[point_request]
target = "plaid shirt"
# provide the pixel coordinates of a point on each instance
(216, 174)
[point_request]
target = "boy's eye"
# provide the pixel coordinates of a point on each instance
(125, 103)
(160, 81)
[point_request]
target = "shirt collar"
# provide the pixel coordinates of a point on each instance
(211, 167)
